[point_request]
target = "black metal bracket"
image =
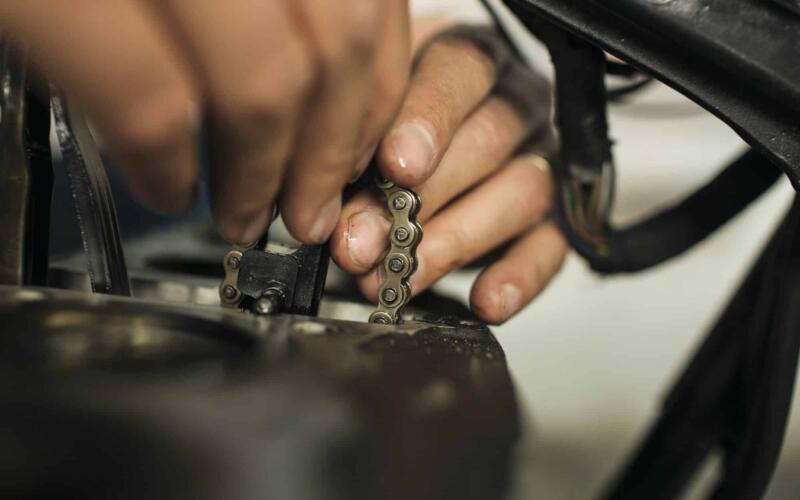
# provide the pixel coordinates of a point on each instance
(26, 171)
(267, 282)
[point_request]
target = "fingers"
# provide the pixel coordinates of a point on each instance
(324, 158)
(390, 79)
(451, 79)
(362, 233)
(509, 284)
(500, 209)
(256, 79)
(141, 104)
(479, 148)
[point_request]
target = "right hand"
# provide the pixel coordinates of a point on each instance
(464, 139)
(296, 94)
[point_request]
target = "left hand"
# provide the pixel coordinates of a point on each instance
(463, 140)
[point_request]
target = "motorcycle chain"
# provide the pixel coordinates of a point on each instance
(400, 262)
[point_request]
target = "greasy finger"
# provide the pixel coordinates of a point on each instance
(480, 147)
(452, 78)
(509, 284)
(324, 156)
(114, 61)
(498, 210)
(257, 75)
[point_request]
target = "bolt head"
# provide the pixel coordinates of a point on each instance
(396, 265)
(265, 306)
(380, 318)
(399, 203)
(389, 295)
(229, 292)
(402, 234)
(234, 262)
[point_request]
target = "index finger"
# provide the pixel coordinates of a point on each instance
(452, 78)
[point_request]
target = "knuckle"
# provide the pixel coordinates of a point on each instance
(436, 105)
(487, 133)
(356, 36)
(452, 255)
(153, 124)
(466, 53)
(270, 94)
(531, 196)
(362, 26)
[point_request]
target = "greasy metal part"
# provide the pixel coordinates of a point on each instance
(26, 174)
(150, 285)
(40, 160)
(740, 75)
(14, 188)
(400, 262)
(93, 200)
(208, 403)
(229, 293)
(266, 282)
(270, 303)
(793, 5)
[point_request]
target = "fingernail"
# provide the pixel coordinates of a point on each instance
(326, 220)
(413, 148)
(367, 237)
(511, 297)
(253, 231)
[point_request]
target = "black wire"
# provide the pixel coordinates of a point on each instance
(498, 23)
(621, 69)
(616, 95)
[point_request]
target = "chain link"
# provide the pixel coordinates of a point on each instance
(401, 261)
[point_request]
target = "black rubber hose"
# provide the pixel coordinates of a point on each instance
(675, 230)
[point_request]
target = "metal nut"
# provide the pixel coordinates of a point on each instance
(265, 306)
(381, 318)
(402, 234)
(389, 295)
(399, 202)
(396, 265)
(229, 292)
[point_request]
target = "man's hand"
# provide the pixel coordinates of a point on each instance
(463, 139)
(296, 94)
